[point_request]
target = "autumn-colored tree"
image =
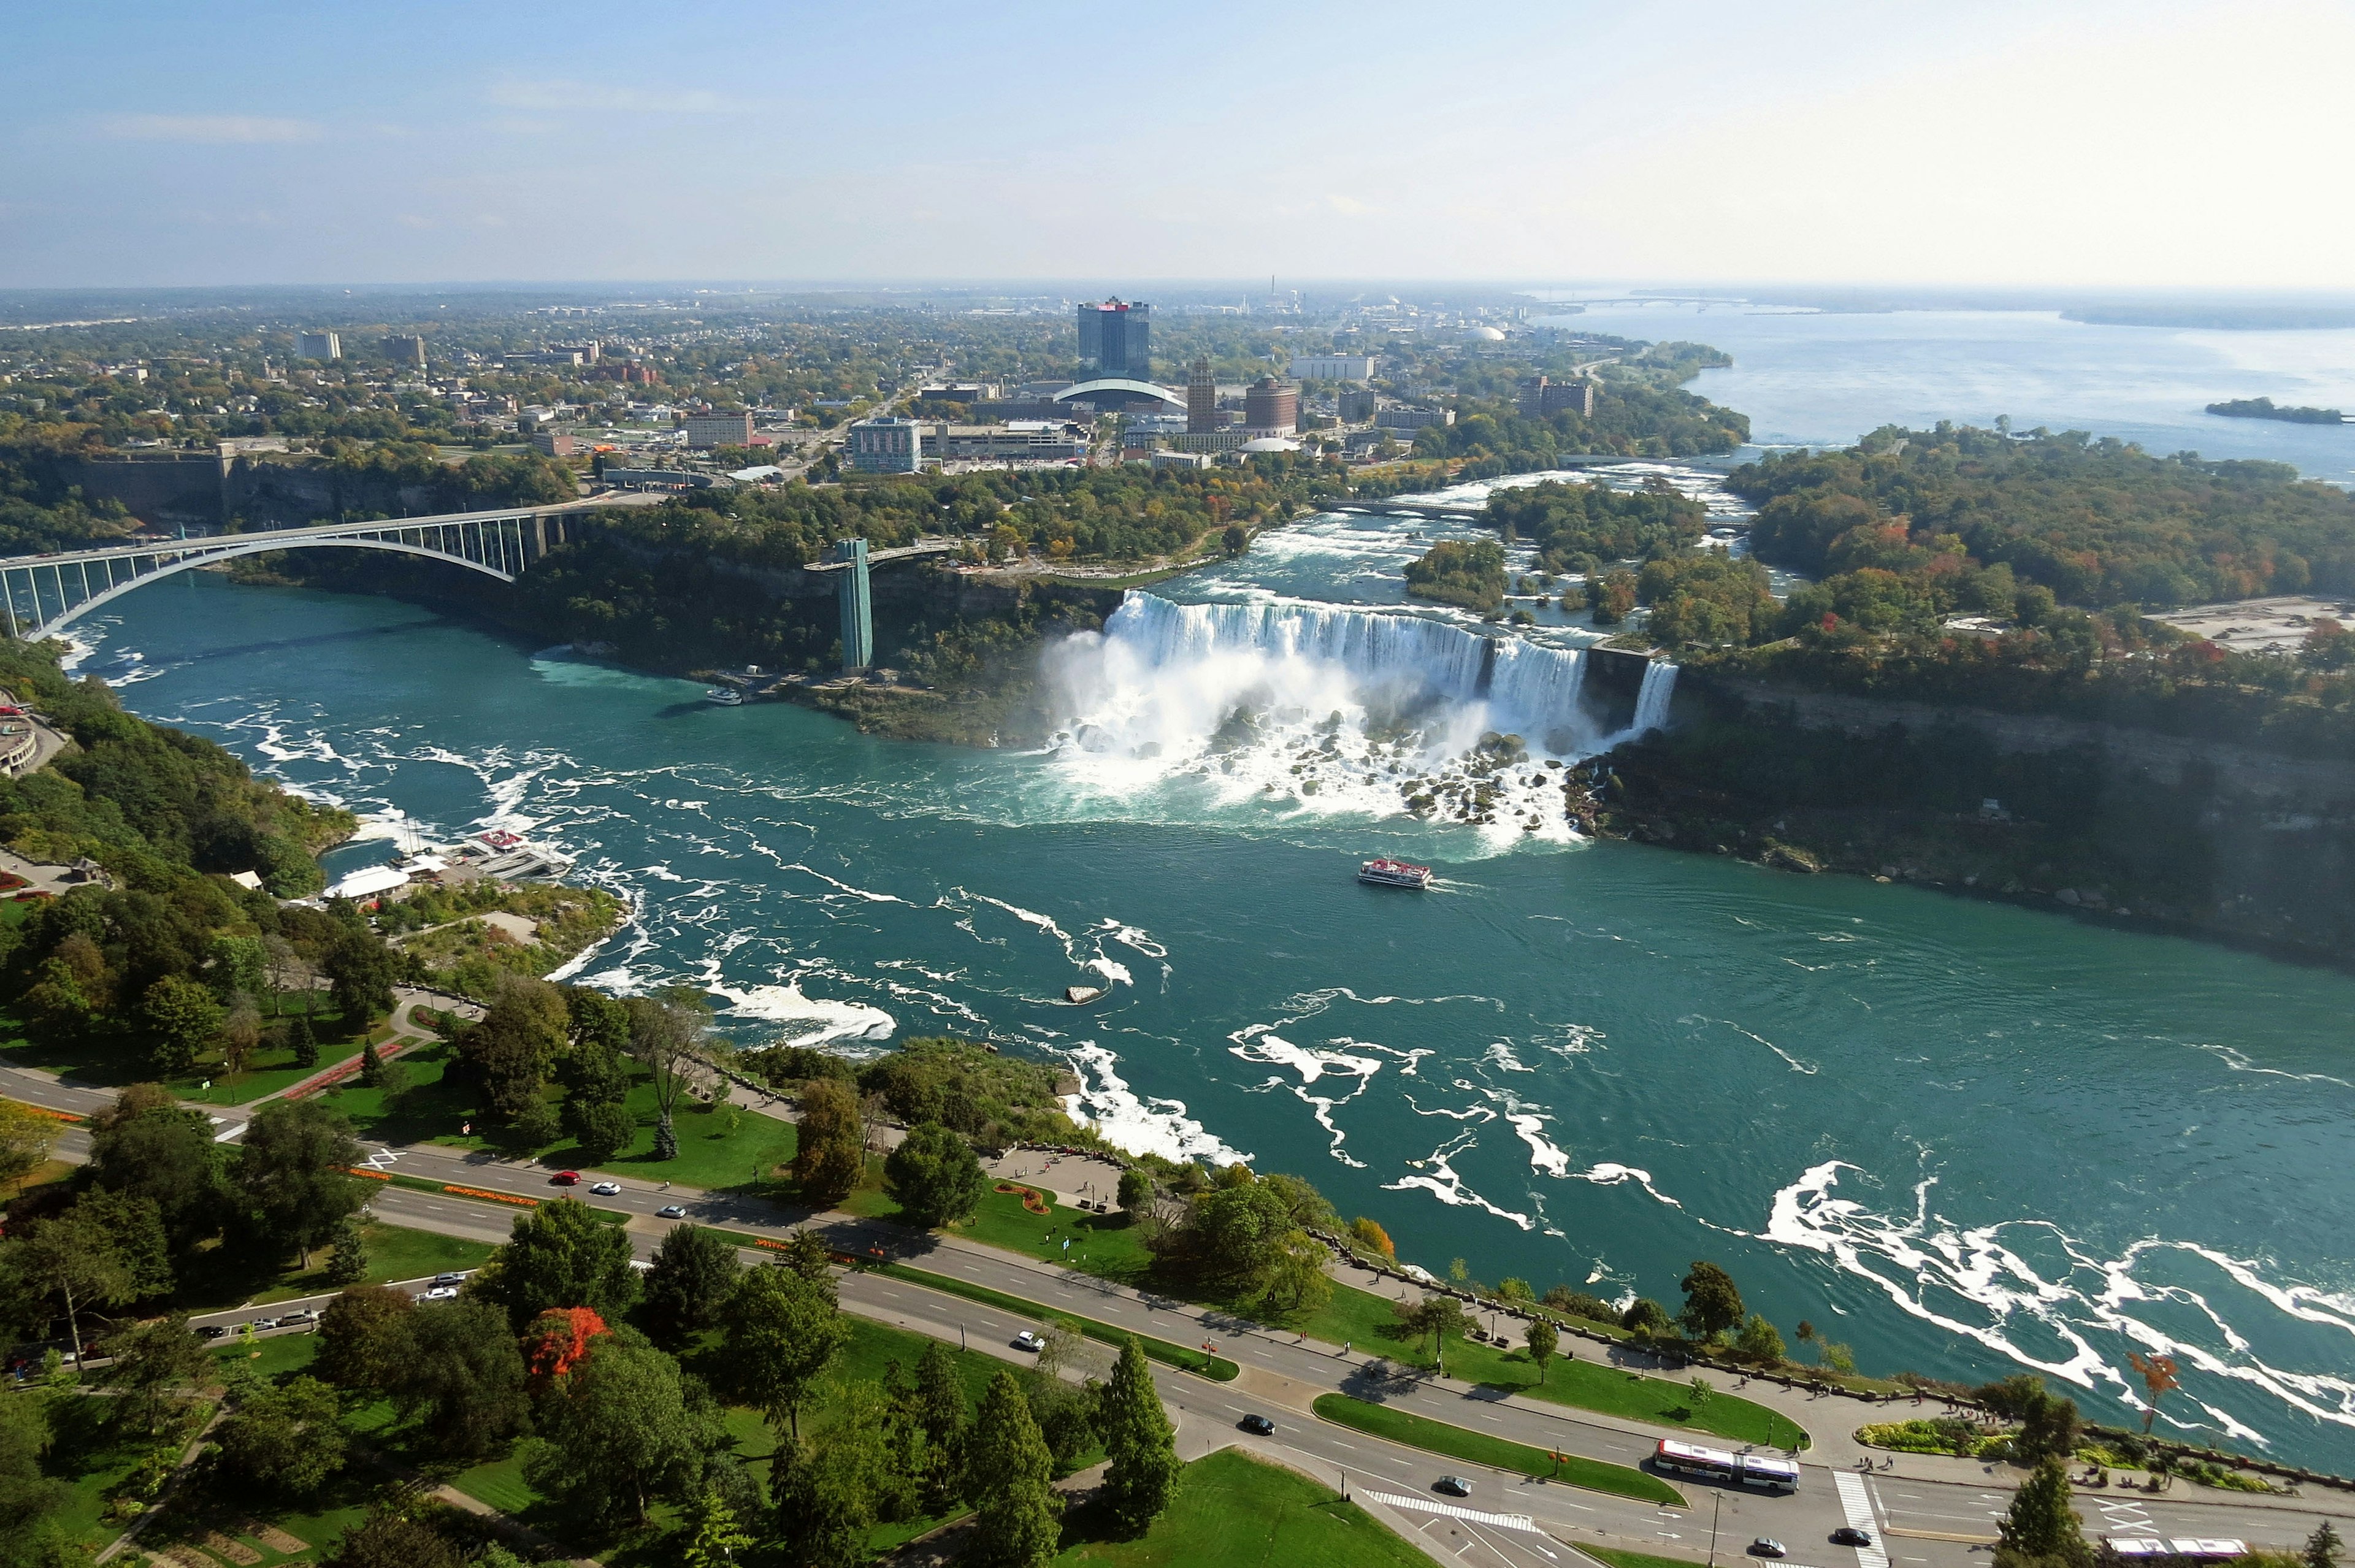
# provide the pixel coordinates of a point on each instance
(2157, 1376)
(558, 1340)
(1368, 1234)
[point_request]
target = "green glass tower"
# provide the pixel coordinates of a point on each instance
(857, 609)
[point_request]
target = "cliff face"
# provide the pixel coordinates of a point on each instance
(2202, 836)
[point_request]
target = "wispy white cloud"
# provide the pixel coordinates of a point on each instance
(559, 94)
(211, 129)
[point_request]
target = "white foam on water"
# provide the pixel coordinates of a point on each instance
(810, 1020)
(1971, 1281)
(1608, 1174)
(1440, 1180)
(1140, 1124)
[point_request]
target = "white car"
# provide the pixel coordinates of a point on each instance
(440, 1293)
(607, 1190)
(1027, 1341)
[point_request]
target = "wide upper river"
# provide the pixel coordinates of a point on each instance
(1962, 1138)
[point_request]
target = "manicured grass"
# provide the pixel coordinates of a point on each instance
(1183, 1356)
(199, 1511)
(1366, 1321)
(721, 1148)
(1497, 1453)
(112, 1063)
(89, 1455)
(1104, 1245)
(220, 1278)
(1230, 1509)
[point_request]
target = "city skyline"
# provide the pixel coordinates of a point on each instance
(1821, 143)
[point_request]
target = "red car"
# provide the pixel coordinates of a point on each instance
(565, 1179)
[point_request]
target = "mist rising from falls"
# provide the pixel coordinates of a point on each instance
(1323, 709)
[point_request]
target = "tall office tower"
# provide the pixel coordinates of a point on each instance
(1202, 414)
(1117, 339)
(318, 346)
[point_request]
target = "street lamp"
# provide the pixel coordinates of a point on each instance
(1716, 1502)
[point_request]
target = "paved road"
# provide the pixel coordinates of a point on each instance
(1283, 1374)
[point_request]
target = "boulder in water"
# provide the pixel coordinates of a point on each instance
(1080, 996)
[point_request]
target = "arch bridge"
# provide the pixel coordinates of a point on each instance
(1123, 386)
(43, 593)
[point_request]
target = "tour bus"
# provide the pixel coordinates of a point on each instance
(2182, 1548)
(1757, 1471)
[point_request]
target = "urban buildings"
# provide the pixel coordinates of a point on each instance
(1202, 412)
(1270, 407)
(1412, 419)
(1332, 367)
(554, 444)
(719, 430)
(1037, 441)
(1541, 397)
(886, 445)
(318, 346)
(403, 350)
(1356, 406)
(1117, 339)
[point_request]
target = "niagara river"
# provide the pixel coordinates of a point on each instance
(1966, 1139)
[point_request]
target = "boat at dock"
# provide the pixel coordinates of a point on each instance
(1389, 873)
(724, 697)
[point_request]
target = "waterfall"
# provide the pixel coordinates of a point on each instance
(1386, 659)
(1652, 698)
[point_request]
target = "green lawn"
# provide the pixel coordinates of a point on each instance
(110, 1063)
(1230, 1509)
(395, 1251)
(1497, 1453)
(88, 1455)
(723, 1148)
(1184, 1357)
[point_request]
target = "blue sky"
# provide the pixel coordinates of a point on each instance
(2153, 143)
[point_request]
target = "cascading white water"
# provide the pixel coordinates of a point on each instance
(1652, 698)
(1322, 708)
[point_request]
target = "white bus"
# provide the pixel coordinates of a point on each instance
(1754, 1470)
(2181, 1547)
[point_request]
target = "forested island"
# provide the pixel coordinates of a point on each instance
(2265, 409)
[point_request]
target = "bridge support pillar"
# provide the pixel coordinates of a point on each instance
(858, 607)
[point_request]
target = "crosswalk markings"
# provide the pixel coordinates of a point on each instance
(1421, 1505)
(1857, 1503)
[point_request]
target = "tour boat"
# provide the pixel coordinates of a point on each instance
(509, 857)
(725, 696)
(1388, 873)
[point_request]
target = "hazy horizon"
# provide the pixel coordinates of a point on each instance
(2183, 147)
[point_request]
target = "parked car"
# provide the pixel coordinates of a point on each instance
(439, 1293)
(450, 1279)
(1848, 1535)
(296, 1320)
(1027, 1341)
(211, 1331)
(1767, 1546)
(607, 1190)
(1259, 1423)
(1454, 1486)
(565, 1179)
(670, 1211)
(260, 1324)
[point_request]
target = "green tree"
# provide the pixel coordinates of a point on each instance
(364, 1339)
(2040, 1529)
(666, 1037)
(463, 1376)
(284, 1439)
(1712, 1305)
(25, 1138)
(360, 971)
(2322, 1548)
(783, 1329)
(1136, 1188)
(511, 1049)
(940, 1411)
(1139, 1441)
(181, 1018)
(304, 1040)
(1543, 1341)
(148, 1145)
(830, 1155)
(30, 1503)
(237, 966)
(602, 1127)
(693, 1274)
(295, 1171)
(616, 1436)
(559, 1255)
(69, 1264)
(829, 1498)
(1434, 1314)
(349, 1262)
(390, 1540)
(1759, 1342)
(1017, 1518)
(371, 1066)
(713, 1535)
(153, 1363)
(934, 1176)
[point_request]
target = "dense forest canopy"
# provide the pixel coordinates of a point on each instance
(2098, 522)
(1575, 525)
(1467, 572)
